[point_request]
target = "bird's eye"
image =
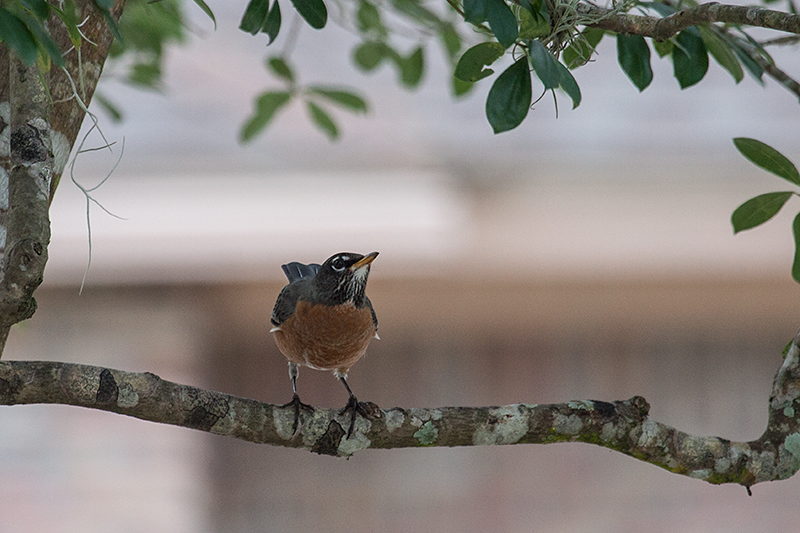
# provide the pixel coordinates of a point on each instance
(338, 264)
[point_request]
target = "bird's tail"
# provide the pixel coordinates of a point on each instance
(296, 271)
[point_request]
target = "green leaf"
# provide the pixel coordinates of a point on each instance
(633, 55)
(313, 11)
(322, 120)
(369, 55)
(721, 52)
(796, 263)
(471, 66)
(452, 42)
(502, 21)
(500, 17)
(280, 68)
(346, 99)
(273, 23)
(663, 48)
(569, 85)
(749, 63)
(145, 74)
(254, 16)
(475, 11)
(767, 158)
(460, 87)
(266, 106)
(70, 17)
(108, 106)
(39, 8)
(207, 10)
(43, 38)
(583, 46)
(17, 37)
(510, 97)
(689, 58)
(758, 210)
(659, 7)
(545, 65)
(411, 68)
(368, 20)
(532, 25)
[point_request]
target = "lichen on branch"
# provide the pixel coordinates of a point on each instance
(623, 426)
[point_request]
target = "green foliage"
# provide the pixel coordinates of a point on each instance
(255, 15)
(473, 64)
(260, 18)
(207, 10)
(501, 19)
(583, 46)
(369, 22)
(315, 98)
(147, 29)
(510, 97)
(411, 68)
(749, 63)
(22, 29)
(313, 11)
(721, 52)
(267, 105)
(340, 97)
(322, 120)
(17, 36)
(758, 210)
(280, 68)
(568, 84)
(369, 55)
(544, 64)
(767, 158)
(689, 57)
(534, 20)
(633, 55)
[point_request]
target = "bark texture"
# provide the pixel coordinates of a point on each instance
(663, 28)
(623, 426)
(38, 128)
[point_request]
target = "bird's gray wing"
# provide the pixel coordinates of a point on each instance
(374, 316)
(286, 302)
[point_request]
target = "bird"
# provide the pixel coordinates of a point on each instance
(324, 320)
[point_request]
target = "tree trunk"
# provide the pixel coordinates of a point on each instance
(39, 125)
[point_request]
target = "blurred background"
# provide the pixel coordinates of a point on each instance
(588, 256)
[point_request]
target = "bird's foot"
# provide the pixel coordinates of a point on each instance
(297, 406)
(368, 410)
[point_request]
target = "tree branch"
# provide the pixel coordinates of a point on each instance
(623, 426)
(663, 28)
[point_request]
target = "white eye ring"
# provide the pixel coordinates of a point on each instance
(338, 264)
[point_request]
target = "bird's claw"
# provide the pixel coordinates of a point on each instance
(366, 409)
(297, 406)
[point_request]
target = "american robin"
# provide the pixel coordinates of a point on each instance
(323, 320)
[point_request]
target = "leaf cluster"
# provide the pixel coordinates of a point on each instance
(23, 29)
(315, 98)
(763, 207)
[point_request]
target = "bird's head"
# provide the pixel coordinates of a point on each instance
(343, 278)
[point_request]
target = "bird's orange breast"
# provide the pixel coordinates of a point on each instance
(325, 337)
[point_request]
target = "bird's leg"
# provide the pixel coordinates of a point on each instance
(352, 405)
(293, 372)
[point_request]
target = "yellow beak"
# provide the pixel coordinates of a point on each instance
(364, 261)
